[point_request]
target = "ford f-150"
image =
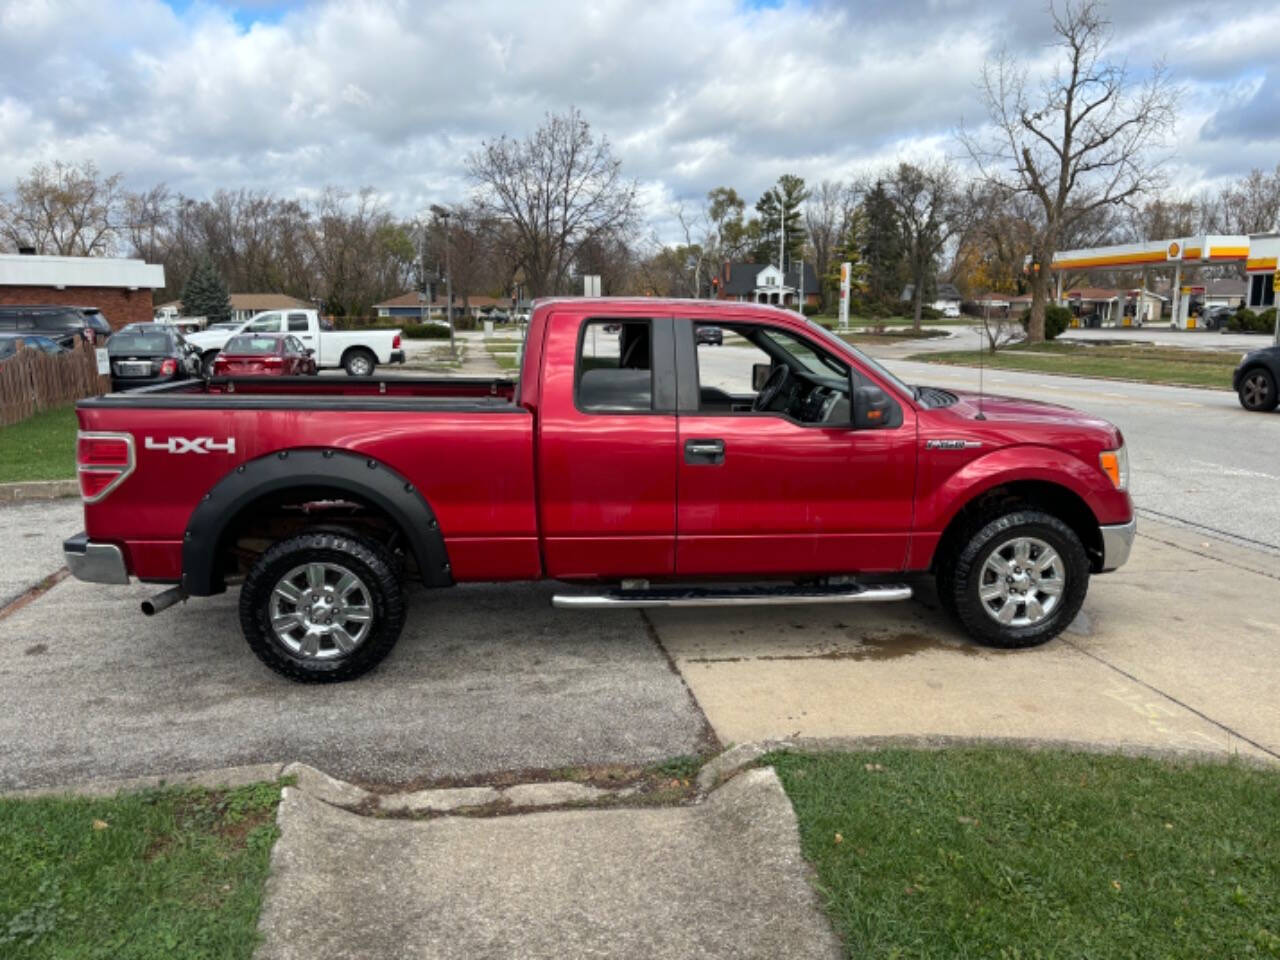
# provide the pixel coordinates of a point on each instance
(627, 460)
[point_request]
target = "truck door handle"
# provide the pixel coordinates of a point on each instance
(704, 452)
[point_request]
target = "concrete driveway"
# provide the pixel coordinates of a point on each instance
(484, 678)
(1176, 651)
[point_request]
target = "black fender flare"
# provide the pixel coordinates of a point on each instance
(363, 477)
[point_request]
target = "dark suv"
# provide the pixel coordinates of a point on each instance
(66, 325)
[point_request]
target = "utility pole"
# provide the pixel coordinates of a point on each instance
(443, 214)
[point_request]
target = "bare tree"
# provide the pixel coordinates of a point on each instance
(1252, 203)
(1079, 140)
(699, 250)
(827, 215)
(64, 209)
(927, 202)
(559, 188)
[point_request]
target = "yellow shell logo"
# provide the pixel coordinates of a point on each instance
(1174, 249)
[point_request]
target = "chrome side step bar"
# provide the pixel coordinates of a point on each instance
(731, 597)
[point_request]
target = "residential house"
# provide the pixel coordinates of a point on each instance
(416, 306)
(946, 299)
(765, 283)
(244, 306)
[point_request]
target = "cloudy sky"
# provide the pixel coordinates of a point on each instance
(292, 96)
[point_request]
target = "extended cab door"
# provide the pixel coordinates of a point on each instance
(606, 446)
(768, 493)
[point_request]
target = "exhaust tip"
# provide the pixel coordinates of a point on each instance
(148, 608)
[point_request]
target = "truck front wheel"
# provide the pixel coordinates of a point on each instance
(1017, 581)
(322, 607)
(359, 363)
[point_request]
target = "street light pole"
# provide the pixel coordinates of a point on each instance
(443, 214)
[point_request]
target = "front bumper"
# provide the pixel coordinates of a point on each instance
(1117, 541)
(94, 562)
(397, 356)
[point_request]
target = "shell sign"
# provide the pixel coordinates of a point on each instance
(1175, 250)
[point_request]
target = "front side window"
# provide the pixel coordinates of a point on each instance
(614, 369)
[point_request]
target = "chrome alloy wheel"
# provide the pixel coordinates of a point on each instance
(1022, 582)
(1254, 389)
(321, 611)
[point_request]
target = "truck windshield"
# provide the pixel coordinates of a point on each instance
(831, 338)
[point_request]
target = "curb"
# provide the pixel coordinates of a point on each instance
(714, 773)
(213, 779)
(39, 490)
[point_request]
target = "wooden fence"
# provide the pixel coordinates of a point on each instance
(32, 380)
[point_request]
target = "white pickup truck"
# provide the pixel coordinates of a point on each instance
(357, 351)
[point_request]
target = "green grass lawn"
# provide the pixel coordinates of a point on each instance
(42, 447)
(159, 874)
(1177, 366)
(1029, 854)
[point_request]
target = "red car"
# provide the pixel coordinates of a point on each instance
(786, 467)
(269, 354)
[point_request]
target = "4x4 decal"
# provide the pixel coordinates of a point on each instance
(192, 445)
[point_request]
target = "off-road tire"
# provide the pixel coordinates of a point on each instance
(359, 362)
(959, 577)
(1258, 390)
(376, 567)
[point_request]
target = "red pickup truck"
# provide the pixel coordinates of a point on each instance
(633, 459)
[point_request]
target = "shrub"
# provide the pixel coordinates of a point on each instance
(427, 331)
(810, 309)
(929, 313)
(1056, 319)
(1245, 320)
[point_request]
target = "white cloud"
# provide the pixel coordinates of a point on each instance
(692, 93)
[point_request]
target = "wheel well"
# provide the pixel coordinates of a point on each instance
(357, 349)
(280, 514)
(1051, 498)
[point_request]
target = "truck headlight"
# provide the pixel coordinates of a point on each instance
(1115, 464)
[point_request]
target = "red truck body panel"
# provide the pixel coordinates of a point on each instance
(524, 484)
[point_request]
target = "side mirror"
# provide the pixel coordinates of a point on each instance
(311, 351)
(760, 375)
(871, 408)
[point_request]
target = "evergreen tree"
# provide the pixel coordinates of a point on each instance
(778, 206)
(205, 295)
(883, 250)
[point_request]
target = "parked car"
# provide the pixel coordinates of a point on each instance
(1255, 379)
(1215, 318)
(66, 325)
(269, 354)
(636, 472)
(146, 354)
(32, 341)
(357, 351)
(708, 335)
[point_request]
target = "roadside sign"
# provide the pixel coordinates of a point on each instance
(1275, 281)
(846, 272)
(104, 361)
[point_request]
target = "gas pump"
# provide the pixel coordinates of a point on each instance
(1190, 308)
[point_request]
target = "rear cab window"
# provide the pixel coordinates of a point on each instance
(614, 368)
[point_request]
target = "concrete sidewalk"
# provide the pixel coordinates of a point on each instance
(724, 878)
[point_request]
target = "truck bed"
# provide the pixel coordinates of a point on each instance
(440, 393)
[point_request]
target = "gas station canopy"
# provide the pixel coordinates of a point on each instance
(1257, 254)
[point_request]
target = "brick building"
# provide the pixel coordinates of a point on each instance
(121, 289)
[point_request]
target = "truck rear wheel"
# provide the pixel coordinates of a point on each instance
(322, 606)
(359, 363)
(1017, 581)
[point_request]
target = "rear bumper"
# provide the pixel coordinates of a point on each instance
(1117, 541)
(94, 562)
(133, 383)
(397, 356)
